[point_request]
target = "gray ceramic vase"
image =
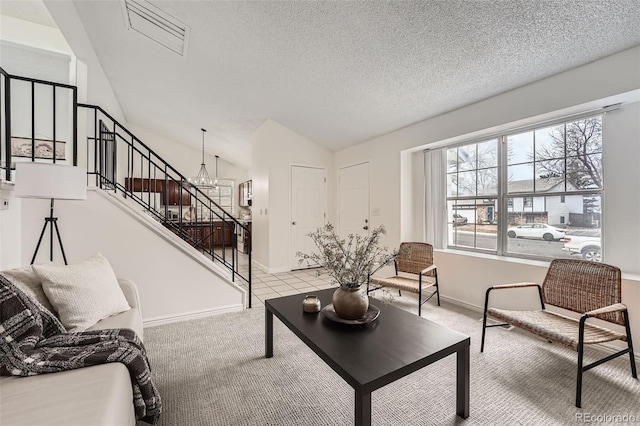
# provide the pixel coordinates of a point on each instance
(350, 303)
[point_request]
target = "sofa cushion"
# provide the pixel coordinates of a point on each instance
(26, 280)
(83, 293)
(97, 395)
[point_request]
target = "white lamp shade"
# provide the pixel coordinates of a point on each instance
(45, 180)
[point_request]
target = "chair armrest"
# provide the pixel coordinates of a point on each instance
(427, 269)
(514, 285)
(616, 307)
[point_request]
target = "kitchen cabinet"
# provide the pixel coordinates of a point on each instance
(222, 234)
(173, 196)
(244, 194)
(206, 235)
(143, 184)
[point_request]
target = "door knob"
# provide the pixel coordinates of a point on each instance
(293, 223)
(365, 228)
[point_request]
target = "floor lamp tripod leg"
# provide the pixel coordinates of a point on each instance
(53, 222)
(35, 253)
(64, 257)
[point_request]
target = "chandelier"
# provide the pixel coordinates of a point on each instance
(202, 179)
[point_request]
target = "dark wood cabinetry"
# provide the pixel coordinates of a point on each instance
(223, 233)
(143, 185)
(207, 235)
(174, 196)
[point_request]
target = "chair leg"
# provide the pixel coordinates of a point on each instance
(437, 287)
(579, 377)
(484, 319)
(580, 361)
(632, 359)
(420, 295)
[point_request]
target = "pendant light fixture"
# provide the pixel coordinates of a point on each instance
(202, 179)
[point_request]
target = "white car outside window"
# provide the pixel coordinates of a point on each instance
(536, 230)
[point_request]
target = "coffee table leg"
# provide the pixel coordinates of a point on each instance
(363, 408)
(462, 382)
(268, 333)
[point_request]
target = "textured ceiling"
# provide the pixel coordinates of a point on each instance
(337, 72)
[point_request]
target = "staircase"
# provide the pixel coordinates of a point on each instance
(117, 161)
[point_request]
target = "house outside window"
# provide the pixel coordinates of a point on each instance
(472, 192)
(550, 176)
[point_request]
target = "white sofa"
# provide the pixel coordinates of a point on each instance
(97, 395)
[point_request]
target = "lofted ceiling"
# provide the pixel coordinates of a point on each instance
(31, 11)
(341, 72)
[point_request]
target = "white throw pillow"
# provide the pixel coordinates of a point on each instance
(82, 293)
(26, 280)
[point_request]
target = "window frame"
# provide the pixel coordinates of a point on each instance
(503, 196)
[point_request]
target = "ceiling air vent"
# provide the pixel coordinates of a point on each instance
(159, 26)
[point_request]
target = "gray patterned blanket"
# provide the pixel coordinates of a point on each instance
(33, 341)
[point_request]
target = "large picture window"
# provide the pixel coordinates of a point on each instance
(534, 193)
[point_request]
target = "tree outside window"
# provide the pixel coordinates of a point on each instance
(553, 179)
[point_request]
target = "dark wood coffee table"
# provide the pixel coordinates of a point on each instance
(373, 355)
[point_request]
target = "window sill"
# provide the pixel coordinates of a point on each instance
(545, 264)
(520, 260)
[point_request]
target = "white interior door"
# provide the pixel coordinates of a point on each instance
(308, 209)
(353, 193)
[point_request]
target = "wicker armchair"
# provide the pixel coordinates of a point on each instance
(589, 288)
(416, 261)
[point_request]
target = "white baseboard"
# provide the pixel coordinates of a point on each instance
(279, 269)
(461, 303)
(260, 266)
(269, 270)
(606, 348)
(153, 322)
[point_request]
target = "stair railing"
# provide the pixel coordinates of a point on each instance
(147, 179)
(164, 193)
(27, 138)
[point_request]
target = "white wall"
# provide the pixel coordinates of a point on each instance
(10, 240)
(98, 91)
(23, 41)
(34, 35)
(167, 278)
(465, 277)
(275, 149)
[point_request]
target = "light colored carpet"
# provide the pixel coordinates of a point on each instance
(212, 371)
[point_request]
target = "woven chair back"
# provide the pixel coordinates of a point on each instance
(414, 257)
(582, 286)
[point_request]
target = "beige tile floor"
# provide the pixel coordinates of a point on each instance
(267, 286)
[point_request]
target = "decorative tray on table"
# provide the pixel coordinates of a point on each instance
(370, 316)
